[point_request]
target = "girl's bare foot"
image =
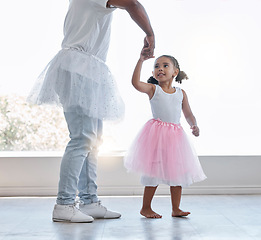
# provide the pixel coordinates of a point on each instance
(148, 213)
(179, 213)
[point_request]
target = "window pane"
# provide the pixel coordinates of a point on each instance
(26, 127)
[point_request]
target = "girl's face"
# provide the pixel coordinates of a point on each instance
(164, 70)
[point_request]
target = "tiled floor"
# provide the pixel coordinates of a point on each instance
(213, 217)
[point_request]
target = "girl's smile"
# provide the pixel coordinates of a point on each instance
(161, 74)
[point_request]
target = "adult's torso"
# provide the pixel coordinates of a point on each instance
(87, 27)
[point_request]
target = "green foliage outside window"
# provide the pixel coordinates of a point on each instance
(25, 127)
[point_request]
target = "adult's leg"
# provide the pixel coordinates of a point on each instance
(87, 186)
(146, 210)
(83, 132)
(175, 192)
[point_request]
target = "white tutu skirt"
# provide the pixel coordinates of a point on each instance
(162, 153)
(80, 82)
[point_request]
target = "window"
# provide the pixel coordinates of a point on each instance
(216, 43)
(32, 34)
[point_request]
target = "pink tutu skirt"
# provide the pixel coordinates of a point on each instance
(162, 150)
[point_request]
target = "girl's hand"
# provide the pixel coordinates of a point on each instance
(195, 130)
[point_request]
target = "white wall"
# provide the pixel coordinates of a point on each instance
(32, 176)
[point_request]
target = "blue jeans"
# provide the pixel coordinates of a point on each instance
(79, 162)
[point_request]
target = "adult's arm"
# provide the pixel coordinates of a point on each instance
(139, 15)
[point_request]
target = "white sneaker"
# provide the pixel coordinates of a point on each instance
(96, 210)
(70, 213)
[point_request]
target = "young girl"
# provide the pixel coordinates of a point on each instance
(161, 151)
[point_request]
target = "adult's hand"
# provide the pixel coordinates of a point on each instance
(149, 45)
(148, 48)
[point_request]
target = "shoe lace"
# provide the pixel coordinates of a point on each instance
(100, 205)
(78, 202)
(72, 207)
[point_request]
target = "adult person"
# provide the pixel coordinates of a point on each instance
(78, 79)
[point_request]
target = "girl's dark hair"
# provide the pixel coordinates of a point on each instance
(181, 75)
(153, 80)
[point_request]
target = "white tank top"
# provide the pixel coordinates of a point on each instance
(167, 106)
(87, 27)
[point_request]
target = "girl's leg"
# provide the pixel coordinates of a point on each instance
(175, 192)
(146, 210)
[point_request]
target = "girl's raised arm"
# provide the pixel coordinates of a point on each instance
(142, 86)
(189, 115)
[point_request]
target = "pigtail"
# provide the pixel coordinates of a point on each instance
(181, 76)
(153, 81)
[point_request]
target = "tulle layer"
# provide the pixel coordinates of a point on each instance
(162, 150)
(78, 81)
